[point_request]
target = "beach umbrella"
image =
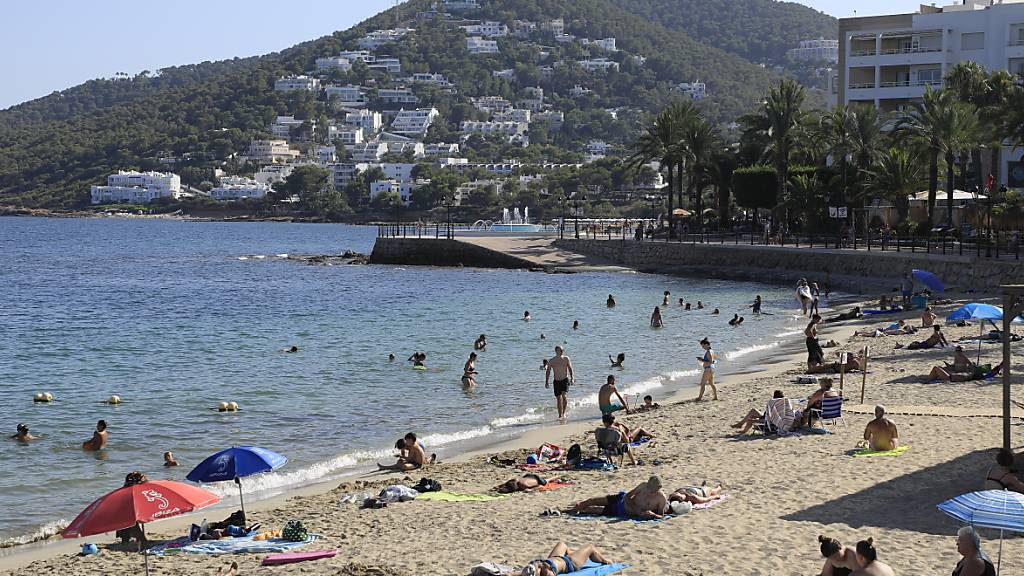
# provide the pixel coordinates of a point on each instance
(139, 503)
(235, 463)
(928, 279)
(997, 509)
(976, 311)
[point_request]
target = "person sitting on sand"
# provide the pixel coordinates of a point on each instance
(526, 316)
(881, 434)
(936, 339)
(961, 363)
(618, 444)
(754, 416)
(814, 400)
(99, 437)
(839, 560)
(927, 317)
(696, 494)
(851, 315)
(413, 459)
(169, 459)
(649, 404)
(526, 483)
(1001, 476)
(656, 321)
(870, 565)
(974, 562)
(645, 502)
(618, 360)
(481, 343)
(852, 363)
(611, 302)
(604, 397)
(564, 560)
(22, 434)
(944, 374)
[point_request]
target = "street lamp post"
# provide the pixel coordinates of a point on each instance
(576, 215)
(448, 203)
(561, 221)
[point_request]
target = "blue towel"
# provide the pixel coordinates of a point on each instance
(242, 545)
(594, 464)
(610, 520)
(643, 440)
(595, 569)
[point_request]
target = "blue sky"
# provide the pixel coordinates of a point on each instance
(54, 44)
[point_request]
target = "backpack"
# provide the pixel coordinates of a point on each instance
(295, 531)
(573, 455)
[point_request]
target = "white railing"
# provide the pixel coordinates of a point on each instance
(861, 85)
(910, 50)
(895, 83)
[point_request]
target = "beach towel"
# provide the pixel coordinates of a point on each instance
(707, 505)
(876, 312)
(240, 545)
(610, 520)
(446, 496)
(553, 485)
(868, 452)
(594, 464)
(643, 440)
(595, 569)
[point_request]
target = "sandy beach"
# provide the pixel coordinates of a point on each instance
(782, 491)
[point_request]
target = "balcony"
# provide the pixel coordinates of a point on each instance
(861, 85)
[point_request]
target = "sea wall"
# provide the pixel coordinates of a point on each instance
(844, 269)
(441, 252)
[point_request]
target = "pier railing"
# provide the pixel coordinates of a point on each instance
(418, 230)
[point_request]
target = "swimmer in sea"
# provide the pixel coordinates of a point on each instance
(664, 299)
(526, 316)
(542, 336)
(99, 437)
(681, 302)
(575, 324)
(611, 301)
(756, 306)
(291, 350)
(687, 306)
(481, 343)
(656, 321)
(715, 311)
(391, 357)
(23, 435)
(618, 360)
(700, 305)
(469, 371)
(740, 321)
(417, 358)
(735, 320)
(169, 459)
(544, 364)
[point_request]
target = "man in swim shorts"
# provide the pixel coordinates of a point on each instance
(645, 502)
(413, 459)
(604, 398)
(560, 368)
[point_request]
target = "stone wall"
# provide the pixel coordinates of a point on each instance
(441, 252)
(843, 269)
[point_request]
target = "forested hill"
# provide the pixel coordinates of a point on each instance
(53, 148)
(758, 30)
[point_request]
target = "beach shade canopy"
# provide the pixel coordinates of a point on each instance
(144, 502)
(997, 509)
(976, 311)
(235, 463)
(928, 279)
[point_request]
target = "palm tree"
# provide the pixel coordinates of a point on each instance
(868, 139)
(896, 175)
(657, 143)
(723, 163)
(684, 114)
(699, 139)
(783, 111)
(835, 129)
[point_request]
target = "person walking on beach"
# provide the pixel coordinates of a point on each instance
(707, 377)
(907, 289)
(560, 368)
(99, 437)
(815, 355)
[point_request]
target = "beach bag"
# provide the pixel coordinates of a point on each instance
(549, 453)
(574, 454)
(490, 569)
(427, 485)
(295, 531)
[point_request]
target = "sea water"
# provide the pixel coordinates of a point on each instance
(177, 316)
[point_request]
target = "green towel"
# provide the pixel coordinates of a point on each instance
(897, 452)
(445, 496)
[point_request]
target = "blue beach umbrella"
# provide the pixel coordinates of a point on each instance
(997, 509)
(928, 279)
(976, 311)
(235, 463)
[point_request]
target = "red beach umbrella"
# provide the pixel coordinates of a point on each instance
(143, 503)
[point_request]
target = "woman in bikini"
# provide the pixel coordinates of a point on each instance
(1000, 476)
(656, 318)
(696, 494)
(469, 371)
(562, 560)
(707, 378)
(839, 560)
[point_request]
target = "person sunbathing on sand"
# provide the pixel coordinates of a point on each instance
(839, 560)
(898, 328)
(936, 339)
(851, 315)
(413, 459)
(645, 502)
(564, 560)
(852, 363)
(1001, 476)
(528, 482)
(697, 494)
(944, 374)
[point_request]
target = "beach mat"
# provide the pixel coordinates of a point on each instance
(240, 545)
(707, 505)
(594, 569)
(541, 467)
(446, 496)
(868, 452)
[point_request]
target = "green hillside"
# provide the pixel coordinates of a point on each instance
(53, 148)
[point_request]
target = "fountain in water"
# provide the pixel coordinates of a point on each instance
(515, 221)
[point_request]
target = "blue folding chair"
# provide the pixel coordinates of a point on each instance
(831, 410)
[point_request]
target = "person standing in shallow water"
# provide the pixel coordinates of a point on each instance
(611, 301)
(560, 368)
(656, 321)
(707, 377)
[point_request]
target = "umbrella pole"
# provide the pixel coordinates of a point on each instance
(999, 562)
(241, 502)
(981, 330)
(145, 558)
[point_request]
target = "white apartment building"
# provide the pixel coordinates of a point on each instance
(513, 115)
(283, 125)
(273, 173)
(492, 104)
(136, 188)
(325, 154)
(552, 118)
(369, 152)
(333, 63)
(389, 65)
(414, 122)
(238, 188)
(888, 61)
(271, 151)
(578, 91)
(378, 38)
(504, 73)
(531, 104)
(556, 26)
(412, 147)
(695, 90)
(596, 64)
(301, 82)
(348, 96)
(353, 55)
(397, 96)
(428, 78)
(486, 29)
(441, 149)
(344, 134)
(596, 149)
(342, 172)
(369, 121)
(487, 128)
(460, 5)
(815, 51)
(477, 45)
(400, 171)
(607, 44)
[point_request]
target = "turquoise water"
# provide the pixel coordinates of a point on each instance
(176, 317)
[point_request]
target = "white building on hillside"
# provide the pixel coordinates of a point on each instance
(136, 188)
(596, 149)
(477, 45)
(283, 126)
(369, 152)
(888, 61)
(397, 96)
(492, 104)
(371, 122)
(378, 38)
(347, 96)
(486, 29)
(238, 188)
(273, 173)
(301, 82)
(556, 26)
(333, 63)
(513, 115)
(428, 78)
(414, 122)
(695, 90)
(346, 135)
(596, 64)
(441, 149)
(820, 50)
(460, 5)
(487, 128)
(389, 65)
(504, 73)
(552, 118)
(271, 151)
(343, 172)
(607, 44)
(354, 55)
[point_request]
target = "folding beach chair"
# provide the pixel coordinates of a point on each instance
(610, 443)
(778, 417)
(831, 411)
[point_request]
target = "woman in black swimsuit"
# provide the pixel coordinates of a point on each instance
(1001, 476)
(562, 560)
(974, 563)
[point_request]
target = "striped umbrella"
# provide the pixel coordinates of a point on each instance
(997, 509)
